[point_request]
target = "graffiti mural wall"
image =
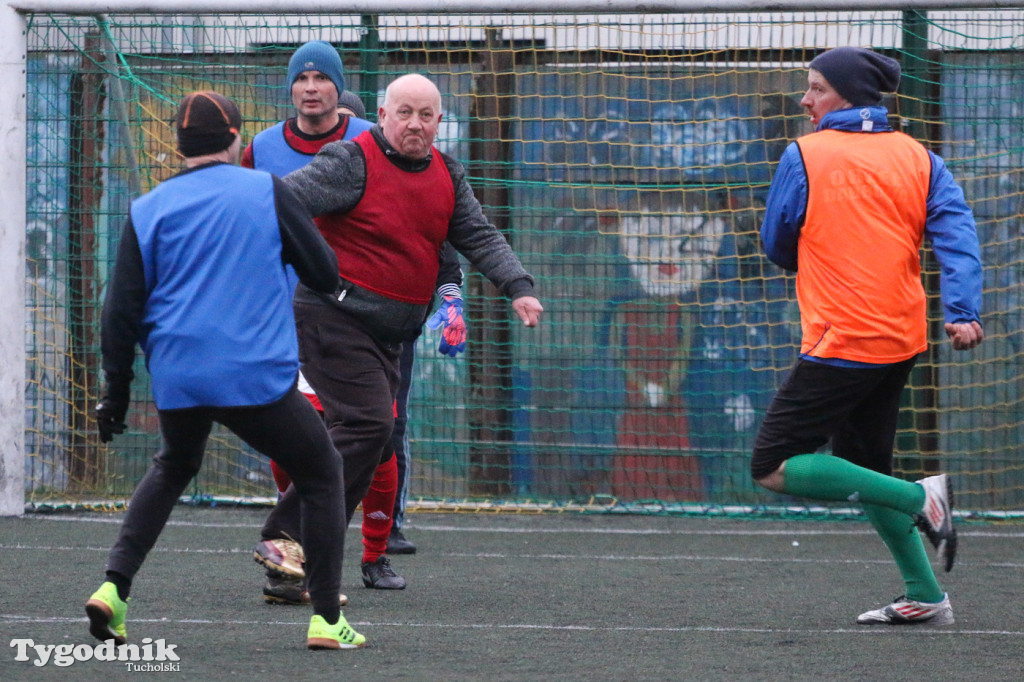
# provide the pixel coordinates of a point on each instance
(664, 326)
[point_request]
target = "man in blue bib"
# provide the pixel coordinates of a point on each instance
(201, 284)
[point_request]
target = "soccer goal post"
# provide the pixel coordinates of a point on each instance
(625, 150)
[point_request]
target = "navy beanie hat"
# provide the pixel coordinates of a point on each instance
(317, 55)
(858, 74)
(353, 103)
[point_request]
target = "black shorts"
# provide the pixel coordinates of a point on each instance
(854, 408)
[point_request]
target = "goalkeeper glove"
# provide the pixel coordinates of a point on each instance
(110, 413)
(453, 333)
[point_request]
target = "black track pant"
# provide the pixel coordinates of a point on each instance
(290, 432)
(356, 379)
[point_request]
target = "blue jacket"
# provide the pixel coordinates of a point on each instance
(949, 227)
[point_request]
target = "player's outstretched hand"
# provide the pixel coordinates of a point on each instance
(965, 335)
(528, 309)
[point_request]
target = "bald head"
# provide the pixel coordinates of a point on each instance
(411, 114)
(413, 85)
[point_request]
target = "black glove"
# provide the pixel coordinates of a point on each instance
(110, 412)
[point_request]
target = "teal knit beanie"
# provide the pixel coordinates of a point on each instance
(317, 55)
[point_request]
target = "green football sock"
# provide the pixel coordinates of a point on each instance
(826, 477)
(901, 537)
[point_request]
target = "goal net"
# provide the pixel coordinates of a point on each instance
(626, 157)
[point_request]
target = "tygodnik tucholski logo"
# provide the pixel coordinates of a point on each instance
(149, 656)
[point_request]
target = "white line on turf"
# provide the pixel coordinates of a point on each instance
(532, 557)
(6, 618)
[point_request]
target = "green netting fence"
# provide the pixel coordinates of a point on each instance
(626, 157)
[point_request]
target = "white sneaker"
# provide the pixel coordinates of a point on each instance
(936, 518)
(905, 611)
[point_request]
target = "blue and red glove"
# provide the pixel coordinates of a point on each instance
(453, 327)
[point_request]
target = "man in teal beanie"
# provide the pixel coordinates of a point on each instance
(316, 55)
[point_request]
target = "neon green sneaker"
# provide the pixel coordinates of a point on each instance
(106, 614)
(321, 635)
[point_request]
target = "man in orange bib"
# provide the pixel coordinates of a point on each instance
(848, 209)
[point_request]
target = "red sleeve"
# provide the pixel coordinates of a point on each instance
(247, 159)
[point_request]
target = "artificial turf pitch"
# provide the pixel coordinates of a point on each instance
(555, 596)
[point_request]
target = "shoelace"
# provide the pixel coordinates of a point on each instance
(294, 552)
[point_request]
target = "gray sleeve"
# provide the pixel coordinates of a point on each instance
(473, 235)
(333, 181)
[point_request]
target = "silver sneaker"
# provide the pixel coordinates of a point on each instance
(936, 518)
(905, 611)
